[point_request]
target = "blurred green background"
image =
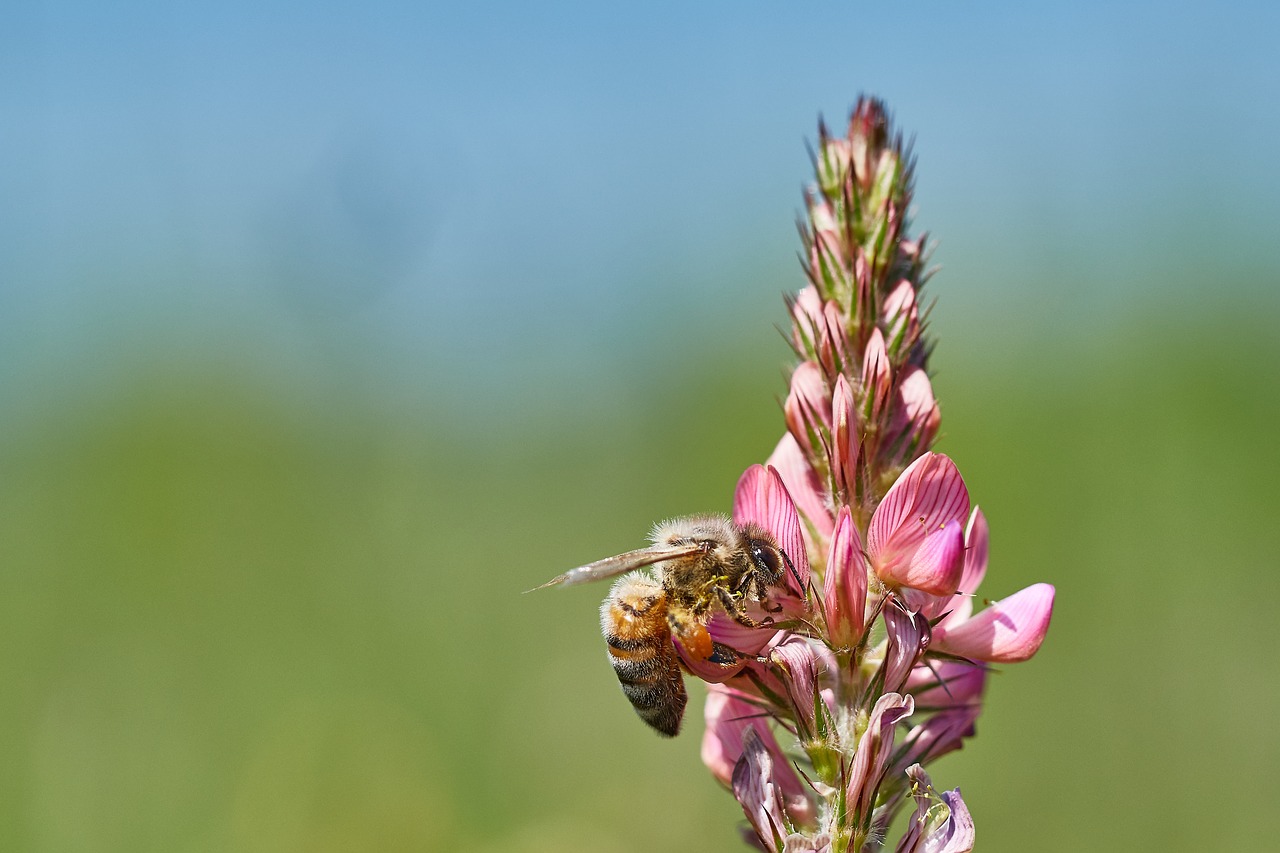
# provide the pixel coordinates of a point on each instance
(324, 332)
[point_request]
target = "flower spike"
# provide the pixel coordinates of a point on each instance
(836, 628)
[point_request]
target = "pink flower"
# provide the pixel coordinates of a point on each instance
(730, 717)
(876, 377)
(916, 536)
(940, 734)
(754, 788)
(808, 408)
(931, 832)
(844, 439)
(901, 316)
(873, 752)
(1009, 631)
(908, 638)
(844, 593)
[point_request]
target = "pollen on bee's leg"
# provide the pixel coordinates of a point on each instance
(695, 638)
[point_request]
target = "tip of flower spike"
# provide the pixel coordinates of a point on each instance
(870, 120)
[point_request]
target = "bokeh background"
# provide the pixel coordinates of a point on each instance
(326, 329)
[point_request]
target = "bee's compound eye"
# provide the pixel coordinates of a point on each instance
(766, 558)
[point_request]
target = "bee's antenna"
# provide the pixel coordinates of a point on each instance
(799, 583)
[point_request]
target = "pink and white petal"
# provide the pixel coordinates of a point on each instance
(754, 788)
(874, 750)
(845, 584)
(908, 635)
(800, 664)
(762, 498)
(1009, 631)
(928, 494)
(917, 398)
(803, 484)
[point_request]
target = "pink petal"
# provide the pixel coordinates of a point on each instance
(754, 788)
(956, 834)
(807, 407)
(748, 641)
(806, 314)
(844, 438)
(959, 607)
(710, 671)
(762, 498)
(1009, 631)
(832, 349)
(844, 591)
(803, 485)
(920, 408)
(935, 567)
(820, 843)
(800, 664)
(901, 315)
(908, 638)
(925, 497)
(876, 376)
(874, 750)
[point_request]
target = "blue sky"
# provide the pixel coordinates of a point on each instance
(458, 190)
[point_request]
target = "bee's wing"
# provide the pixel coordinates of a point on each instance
(616, 565)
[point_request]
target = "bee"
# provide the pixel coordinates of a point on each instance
(701, 564)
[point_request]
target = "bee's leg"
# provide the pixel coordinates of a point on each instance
(723, 654)
(733, 606)
(696, 640)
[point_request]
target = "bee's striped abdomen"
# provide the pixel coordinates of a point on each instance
(634, 622)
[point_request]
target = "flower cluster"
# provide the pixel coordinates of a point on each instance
(876, 666)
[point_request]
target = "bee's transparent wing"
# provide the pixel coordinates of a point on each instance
(616, 565)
